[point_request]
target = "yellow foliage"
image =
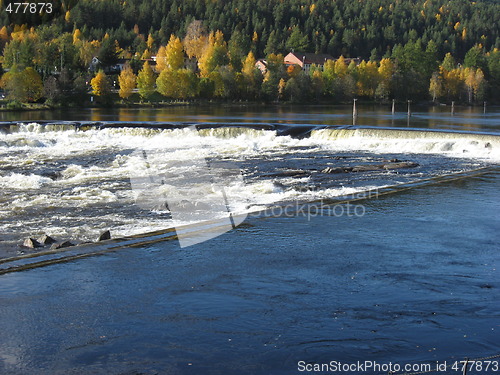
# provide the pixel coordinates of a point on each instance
(248, 68)
(146, 55)
(161, 59)
(77, 35)
(293, 71)
(174, 53)
(340, 67)
(146, 81)
(150, 42)
(99, 84)
(386, 69)
(4, 33)
(127, 81)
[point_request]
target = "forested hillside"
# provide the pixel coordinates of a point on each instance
(350, 28)
(414, 34)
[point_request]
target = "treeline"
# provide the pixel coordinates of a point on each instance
(343, 27)
(412, 50)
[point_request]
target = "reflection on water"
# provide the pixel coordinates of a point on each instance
(465, 118)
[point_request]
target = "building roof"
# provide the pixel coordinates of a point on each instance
(311, 58)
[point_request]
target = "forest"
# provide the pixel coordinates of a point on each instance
(410, 49)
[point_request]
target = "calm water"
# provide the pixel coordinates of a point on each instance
(411, 278)
(465, 118)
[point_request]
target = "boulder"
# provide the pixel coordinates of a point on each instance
(104, 236)
(46, 240)
(61, 245)
(31, 243)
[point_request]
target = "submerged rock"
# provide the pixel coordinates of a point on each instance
(31, 243)
(403, 164)
(46, 240)
(367, 168)
(61, 245)
(371, 167)
(337, 170)
(105, 236)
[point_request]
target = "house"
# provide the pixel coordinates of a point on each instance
(116, 68)
(261, 64)
(306, 60)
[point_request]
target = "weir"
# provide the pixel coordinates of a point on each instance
(68, 254)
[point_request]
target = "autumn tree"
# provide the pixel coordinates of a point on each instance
(127, 81)
(174, 53)
(385, 72)
(368, 78)
(251, 76)
(146, 81)
(474, 82)
(177, 84)
(436, 86)
(161, 59)
(100, 85)
(214, 55)
(196, 39)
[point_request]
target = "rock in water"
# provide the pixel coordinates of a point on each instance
(31, 243)
(46, 240)
(61, 245)
(105, 236)
(400, 165)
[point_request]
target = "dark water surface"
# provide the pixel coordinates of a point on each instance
(413, 280)
(465, 118)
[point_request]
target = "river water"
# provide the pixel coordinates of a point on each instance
(408, 277)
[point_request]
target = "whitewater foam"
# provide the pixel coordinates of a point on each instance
(464, 145)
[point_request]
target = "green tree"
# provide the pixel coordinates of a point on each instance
(146, 82)
(474, 58)
(449, 62)
(237, 48)
(297, 41)
(252, 76)
(23, 86)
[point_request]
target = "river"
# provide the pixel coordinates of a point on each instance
(249, 240)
